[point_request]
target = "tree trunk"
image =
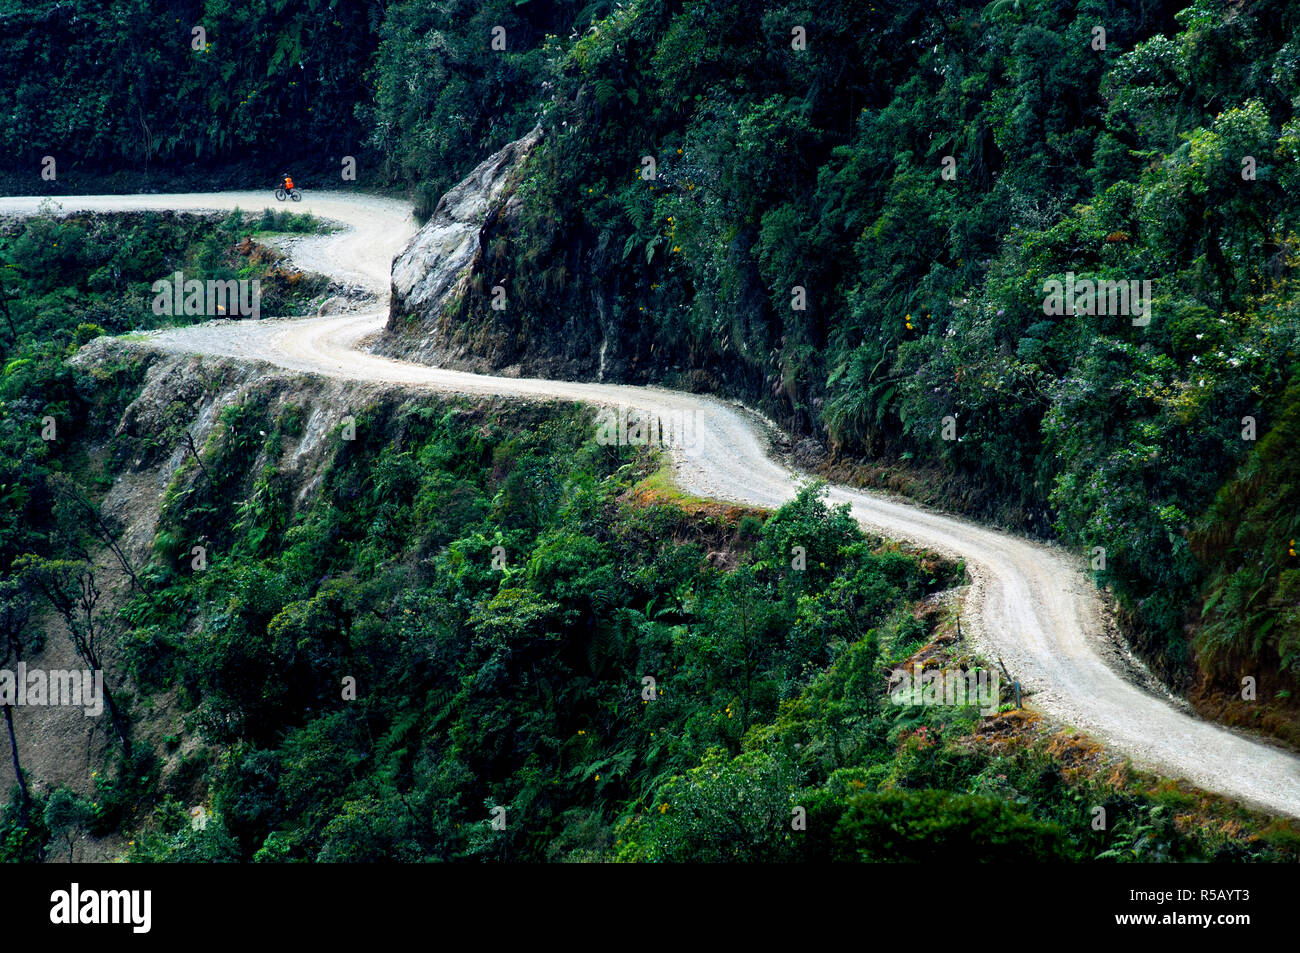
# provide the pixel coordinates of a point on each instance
(25, 803)
(119, 724)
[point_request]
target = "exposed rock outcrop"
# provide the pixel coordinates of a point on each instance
(432, 273)
(499, 282)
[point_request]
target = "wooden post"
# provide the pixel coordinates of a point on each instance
(1015, 685)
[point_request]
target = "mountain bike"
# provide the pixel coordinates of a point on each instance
(292, 193)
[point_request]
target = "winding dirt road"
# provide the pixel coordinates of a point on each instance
(1029, 603)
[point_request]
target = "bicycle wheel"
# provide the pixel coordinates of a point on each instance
(295, 195)
(279, 195)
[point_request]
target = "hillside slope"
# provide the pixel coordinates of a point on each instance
(1030, 604)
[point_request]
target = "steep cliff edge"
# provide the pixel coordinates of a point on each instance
(496, 283)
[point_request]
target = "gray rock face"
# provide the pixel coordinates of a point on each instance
(434, 267)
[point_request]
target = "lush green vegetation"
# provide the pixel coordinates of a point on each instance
(445, 96)
(485, 677)
(368, 676)
(101, 86)
(461, 617)
(516, 685)
(64, 282)
(1169, 155)
(775, 169)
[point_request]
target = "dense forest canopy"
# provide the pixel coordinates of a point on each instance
(109, 84)
(858, 235)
